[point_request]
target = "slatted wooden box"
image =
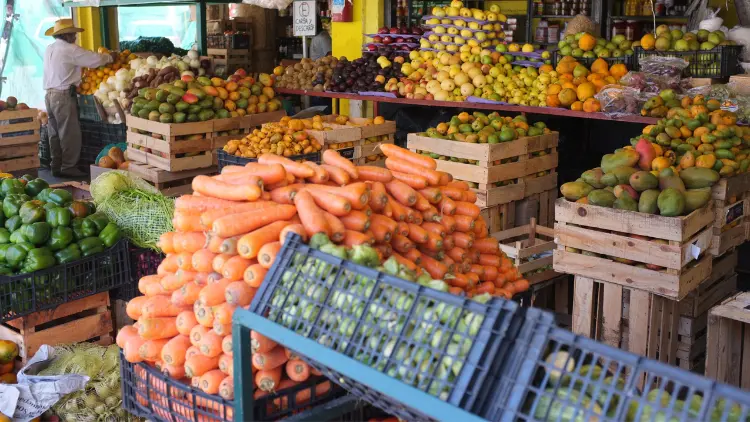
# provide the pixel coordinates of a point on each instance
(167, 182)
(601, 243)
(524, 245)
(19, 140)
(231, 59)
(176, 146)
(85, 319)
(354, 142)
(728, 341)
(731, 198)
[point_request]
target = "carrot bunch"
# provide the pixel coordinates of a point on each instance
(229, 232)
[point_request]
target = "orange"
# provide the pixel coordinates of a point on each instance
(591, 105)
(552, 100)
(618, 71)
(600, 66)
(569, 85)
(587, 42)
(648, 42)
(554, 89)
(567, 97)
(546, 68)
(585, 91)
(576, 106)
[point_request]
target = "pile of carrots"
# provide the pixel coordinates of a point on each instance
(230, 230)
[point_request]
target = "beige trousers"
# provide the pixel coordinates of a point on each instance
(64, 129)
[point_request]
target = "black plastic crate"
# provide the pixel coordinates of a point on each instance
(234, 41)
(628, 61)
(553, 372)
(45, 154)
(87, 108)
(45, 289)
(361, 312)
(88, 155)
(344, 409)
(143, 262)
(150, 394)
(101, 134)
(225, 159)
(720, 62)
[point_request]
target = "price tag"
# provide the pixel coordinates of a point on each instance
(304, 18)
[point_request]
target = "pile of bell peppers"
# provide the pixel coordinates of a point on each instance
(41, 227)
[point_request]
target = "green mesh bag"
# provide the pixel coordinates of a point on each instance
(141, 211)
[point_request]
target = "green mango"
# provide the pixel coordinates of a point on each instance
(696, 198)
(627, 158)
(593, 177)
(625, 202)
(574, 191)
(647, 201)
(643, 180)
(610, 180)
(698, 177)
(601, 197)
(671, 202)
(623, 174)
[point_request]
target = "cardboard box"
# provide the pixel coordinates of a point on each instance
(740, 83)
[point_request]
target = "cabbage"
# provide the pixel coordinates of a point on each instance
(122, 75)
(121, 85)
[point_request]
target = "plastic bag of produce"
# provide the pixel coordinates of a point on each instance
(618, 101)
(8, 399)
(40, 392)
(269, 4)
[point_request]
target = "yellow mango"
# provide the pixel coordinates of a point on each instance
(658, 149)
(685, 132)
(706, 161)
(660, 163)
(705, 148)
(731, 163)
(687, 160)
(647, 130)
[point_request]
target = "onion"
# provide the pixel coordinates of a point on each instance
(152, 61)
(195, 63)
(193, 54)
(187, 73)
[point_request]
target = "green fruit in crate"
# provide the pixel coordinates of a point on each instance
(627, 158)
(206, 104)
(165, 118)
(166, 108)
(698, 177)
(593, 177)
(143, 113)
(625, 202)
(623, 174)
(696, 198)
(565, 405)
(173, 99)
(574, 191)
(194, 109)
(601, 197)
(192, 117)
(205, 115)
(151, 105)
(154, 116)
(179, 117)
(222, 114)
(181, 106)
(671, 202)
(609, 180)
(671, 181)
(176, 91)
(643, 180)
(161, 96)
(647, 202)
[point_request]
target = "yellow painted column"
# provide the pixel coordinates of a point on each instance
(348, 37)
(88, 19)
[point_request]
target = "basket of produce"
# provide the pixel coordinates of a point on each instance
(439, 344)
(553, 374)
(226, 159)
(54, 248)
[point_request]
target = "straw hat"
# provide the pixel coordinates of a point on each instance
(63, 26)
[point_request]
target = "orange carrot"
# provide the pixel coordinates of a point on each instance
(402, 192)
(189, 241)
(462, 240)
(414, 180)
(381, 230)
(332, 203)
(151, 349)
(210, 343)
(399, 211)
(416, 160)
(292, 228)
(197, 365)
(196, 334)
(168, 265)
(447, 206)
(125, 334)
(486, 287)
(234, 268)
(467, 209)
(338, 230)
(352, 238)
(417, 234)
(131, 349)
(214, 243)
(422, 204)
(245, 222)
(208, 217)
(356, 220)
(478, 270)
(402, 228)
(249, 244)
(414, 255)
(160, 306)
(185, 322)
(480, 228)
(436, 269)
(173, 352)
(270, 173)
(464, 223)
(457, 254)
(157, 328)
(321, 175)
(187, 221)
(401, 244)
(374, 174)
(337, 176)
(254, 275)
(238, 294)
(268, 380)
(384, 250)
(199, 203)
(269, 360)
(297, 370)
(226, 387)
(222, 329)
(284, 195)
(490, 273)
(219, 260)
(226, 345)
(313, 218)
(402, 166)
(204, 314)
(357, 193)
(202, 260)
(459, 280)
(208, 186)
(488, 259)
(133, 308)
(186, 295)
(165, 242)
(445, 178)
(192, 351)
(170, 283)
(223, 312)
(243, 178)
(260, 343)
(333, 158)
(297, 169)
(267, 253)
(469, 196)
(378, 197)
(449, 223)
(213, 294)
(432, 194)
(474, 253)
(458, 184)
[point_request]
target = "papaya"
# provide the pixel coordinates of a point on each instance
(671, 202)
(627, 158)
(623, 174)
(673, 132)
(696, 198)
(643, 180)
(625, 202)
(601, 197)
(573, 191)
(593, 177)
(647, 201)
(698, 177)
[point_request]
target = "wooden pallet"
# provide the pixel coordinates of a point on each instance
(728, 341)
(85, 319)
(170, 144)
(530, 156)
(169, 183)
(354, 142)
(231, 59)
(523, 244)
(506, 216)
(614, 241)
(19, 140)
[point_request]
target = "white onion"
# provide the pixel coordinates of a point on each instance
(193, 54)
(152, 61)
(195, 63)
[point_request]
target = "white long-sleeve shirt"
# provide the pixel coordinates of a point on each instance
(320, 45)
(63, 62)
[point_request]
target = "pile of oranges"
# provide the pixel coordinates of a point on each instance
(577, 85)
(92, 78)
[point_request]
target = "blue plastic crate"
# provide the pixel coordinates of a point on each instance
(226, 159)
(344, 409)
(436, 346)
(589, 380)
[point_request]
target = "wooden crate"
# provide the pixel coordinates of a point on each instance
(523, 244)
(141, 146)
(506, 216)
(673, 243)
(354, 142)
(19, 140)
(729, 223)
(231, 59)
(167, 182)
(554, 294)
(728, 341)
(85, 319)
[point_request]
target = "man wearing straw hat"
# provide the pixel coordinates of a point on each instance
(63, 61)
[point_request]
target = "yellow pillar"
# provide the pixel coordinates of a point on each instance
(88, 19)
(348, 38)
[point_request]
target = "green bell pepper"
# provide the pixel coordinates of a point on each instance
(94, 224)
(90, 246)
(10, 186)
(79, 209)
(13, 223)
(38, 259)
(110, 235)
(60, 197)
(4, 235)
(69, 254)
(60, 238)
(34, 187)
(15, 255)
(3, 251)
(12, 204)
(26, 178)
(58, 217)
(5, 270)
(37, 233)
(48, 206)
(77, 226)
(32, 211)
(18, 236)
(44, 194)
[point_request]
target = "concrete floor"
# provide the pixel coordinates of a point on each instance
(46, 174)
